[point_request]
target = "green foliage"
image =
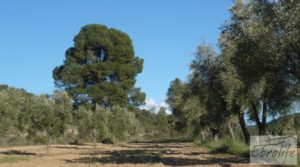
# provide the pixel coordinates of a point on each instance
(53, 115)
(163, 123)
(13, 159)
(13, 103)
(107, 125)
(47, 119)
(122, 123)
(147, 120)
(92, 124)
(257, 46)
(199, 104)
(154, 126)
(101, 67)
(185, 107)
(208, 87)
(14, 106)
(256, 73)
(27, 118)
(228, 146)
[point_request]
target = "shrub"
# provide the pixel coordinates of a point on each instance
(229, 146)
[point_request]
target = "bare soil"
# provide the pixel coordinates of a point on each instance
(134, 154)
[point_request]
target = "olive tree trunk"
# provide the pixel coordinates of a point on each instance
(48, 145)
(229, 127)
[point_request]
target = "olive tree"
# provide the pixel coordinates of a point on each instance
(92, 124)
(52, 115)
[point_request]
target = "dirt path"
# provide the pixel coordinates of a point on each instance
(137, 154)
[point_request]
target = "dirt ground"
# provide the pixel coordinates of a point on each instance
(136, 154)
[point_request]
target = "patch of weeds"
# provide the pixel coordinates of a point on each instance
(228, 146)
(13, 159)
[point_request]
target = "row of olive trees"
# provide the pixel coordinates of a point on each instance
(30, 117)
(52, 116)
(117, 123)
(256, 74)
(24, 114)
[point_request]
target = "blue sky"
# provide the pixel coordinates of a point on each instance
(34, 35)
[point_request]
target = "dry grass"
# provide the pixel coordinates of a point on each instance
(136, 154)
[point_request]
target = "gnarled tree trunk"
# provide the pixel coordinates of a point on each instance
(261, 125)
(264, 119)
(237, 110)
(244, 128)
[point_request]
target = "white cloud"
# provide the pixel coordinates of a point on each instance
(154, 106)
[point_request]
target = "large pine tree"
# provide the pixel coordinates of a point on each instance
(100, 68)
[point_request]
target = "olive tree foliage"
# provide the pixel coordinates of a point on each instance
(175, 98)
(19, 114)
(122, 123)
(185, 107)
(101, 68)
(116, 124)
(256, 73)
(234, 93)
(13, 104)
(204, 103)
(154, 126)
(52, 115)
(93, 125)
(162, 122)
(24, 115)
(207, 86)
(261, 62)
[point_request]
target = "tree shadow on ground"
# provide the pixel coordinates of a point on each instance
(70, 147)
(120, 157)
(123, 152)
(172, 152)
(164, 141)
(149, 156)
(176, 161)
(16, 152)
(155, 145)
